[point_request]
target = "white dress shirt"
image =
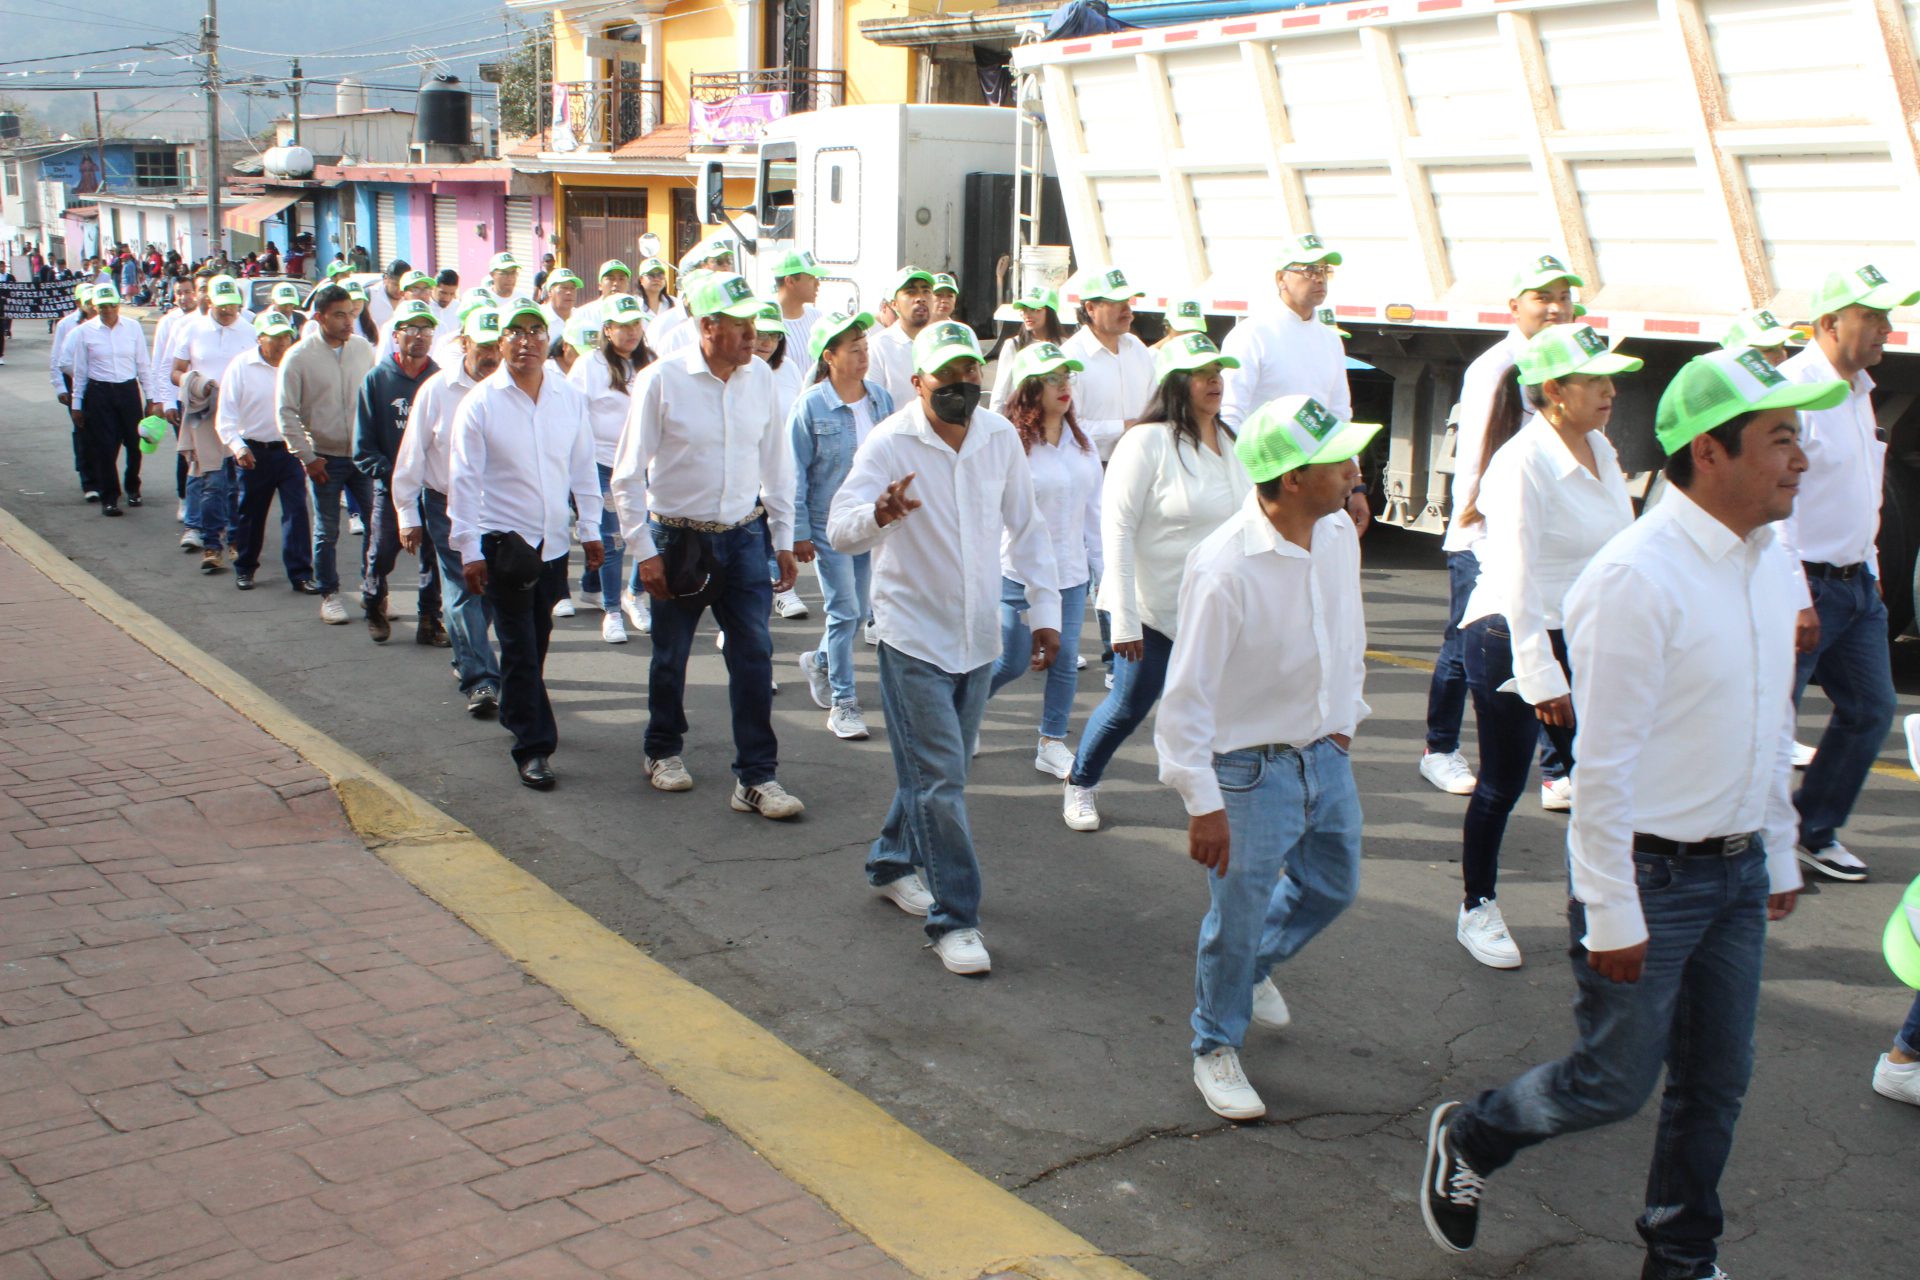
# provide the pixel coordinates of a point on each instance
(102, 354)
(514, 462)
(1003, 375)
(1478, 388)
(246, 414)
(1681, 639)
(165, 334)
(379, 305)
(789, 381)
(799, 330)
(661, 323)
(890, 362)
(1836, 519)
(1112, 390)
(936, 571)
(607, 405)
(1272, 648)
(1066, 488)
(1281, 354)
(426, 450)
(1546, 515)
(209, 347)
(59, 368)
(703, 449)
(1157, 505)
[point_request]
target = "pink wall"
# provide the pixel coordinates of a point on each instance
(477, 204)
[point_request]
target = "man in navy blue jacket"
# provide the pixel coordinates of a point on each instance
(386, 401)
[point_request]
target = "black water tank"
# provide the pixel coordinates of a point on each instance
(445, 113)
(9, 125)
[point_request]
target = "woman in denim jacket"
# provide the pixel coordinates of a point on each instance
(828, 423)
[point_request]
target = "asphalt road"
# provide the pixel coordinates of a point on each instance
(1065, 1074)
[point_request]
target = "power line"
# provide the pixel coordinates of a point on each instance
(84, 53)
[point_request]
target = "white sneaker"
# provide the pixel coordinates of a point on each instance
(868, 634)
(1270, 1007)
(1803, 754)
(1079, 662)
(909, 893)
(1224, 1085)
(180, 512)
(720, 641)
(332, 612)
(1079, 809)
(669, 773)
(1899, 1081)
(1834, 861)
(789, 605)
(355, 524)
(1054, 758)
(963, 951)
(565, 607)
(1448, 771)
(192, 541)
(819, 687)
(1483, 932)
(639, 617)
(846, 721)
(1557, 796)
(1109, 684)
(613, 629)
(769, 800)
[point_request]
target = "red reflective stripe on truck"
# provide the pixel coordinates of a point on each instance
(1357, 311)
(1361, 15)
(1077, 48)
(1173, 37)
(1492, 317)
(1128, 42)
(1428, 6)
(1430, 317)
(1897, 338)
(1240, 29)
(1301, 20)
(1669, 326)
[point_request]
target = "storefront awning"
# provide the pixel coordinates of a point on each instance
(247, 218)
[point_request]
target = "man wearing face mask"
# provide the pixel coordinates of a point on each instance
(932, 493)
(890, 350)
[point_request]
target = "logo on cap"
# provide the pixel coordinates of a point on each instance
(1765, 320)
(1198, 343)
(1048, 351)
(1310, 241)
(1590, 342)
(806, 259)
(1116, 280)
(1871, 274)
(1318, 422)
(1189, 309)
(490, 322)
(737, 289)
(1550, 263)
(951, 332)
(1326, 315)
(1756, 364)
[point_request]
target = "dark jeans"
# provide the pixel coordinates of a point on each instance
(276, 472)
(467, 615)
(1693, 1012)
(1136, 687)
(524, 622)
(383, 552)
(741, 610)
(80, 447)
(110, 422)
(341, 475)
(1508, 730)
(1909, 1039)
(1447, 693)
(1853, 667)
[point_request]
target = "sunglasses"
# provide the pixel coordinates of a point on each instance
(1317, 271)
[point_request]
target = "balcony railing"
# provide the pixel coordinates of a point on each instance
(806, 87)
(599, 115)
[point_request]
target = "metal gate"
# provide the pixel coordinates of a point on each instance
(520, 234)
(602, 225)
(386, 230)
(446, 234)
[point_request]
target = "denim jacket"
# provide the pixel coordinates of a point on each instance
(823, 446)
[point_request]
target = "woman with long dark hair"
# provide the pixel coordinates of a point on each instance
(605, 377)
(1173, 479)
(1039, 310)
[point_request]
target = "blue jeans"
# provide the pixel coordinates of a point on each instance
(1294, 866)
(342, 475)
(383, 553)
(1136, 687)
(1447, 694)
(1693, 1012)
(741, 610)
(1908, 1042)
(932, 717)
(1508, 728)
(846, 583)
(606, 579)
(1016, 652)
(213, 506)
(275, 473)
(1853, 666)
(467, 615)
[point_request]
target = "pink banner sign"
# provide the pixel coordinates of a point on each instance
(738, 119)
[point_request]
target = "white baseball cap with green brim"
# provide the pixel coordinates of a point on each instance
(1760, 329)
(355, 290)
(503, 262)
(1722, 385)
(907, 276)
(414, 279)
(1900, 940)
(718, 247)
(613, 267)
(82, 292)
(482, 325)
(1560, 350)
(1041, 359)
(798, 262)
(1035, 298)
(1863, 286)
(1297, 431)
(944, 283)
(827, 328)
(1185, 315)
(939, 345)
(560, 276)
(725, 294)
(1541, 272)
(105, 295)
(519, 311)
(622, 308)
(272, 325)
(1307, 250)
(414, 311)
(224, 291)
(768, 321)
(1332, 321)
(648, 267)
(1107, 284)
(1188, 352)
(582, 333)
(286, 293)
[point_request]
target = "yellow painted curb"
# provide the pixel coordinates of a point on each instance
(919, 1205)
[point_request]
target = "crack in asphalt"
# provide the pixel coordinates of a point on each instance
(1125, 1144)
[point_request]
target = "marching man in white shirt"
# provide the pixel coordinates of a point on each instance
(248, 420)
(521, 445)
(58, 367)
(112, 379)
(1285, 350)
(932, 493)
(1842, 634)
(1681, 848)
(1263, 696)
(890, 350)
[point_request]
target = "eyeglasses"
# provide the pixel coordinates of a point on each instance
(528, 333)
(1058, 378)
(1314, 271)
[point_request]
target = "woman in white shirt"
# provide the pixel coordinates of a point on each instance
(605, 376)
(1039, 312)
(1551, 496)
(1173, 479)
(1066, 489)
(789, 380)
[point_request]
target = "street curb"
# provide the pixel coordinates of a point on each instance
(923, 1208)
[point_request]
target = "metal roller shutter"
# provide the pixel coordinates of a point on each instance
(446, 234)
(386, 230)
(520, 233)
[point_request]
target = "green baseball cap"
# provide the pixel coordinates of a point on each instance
(414, 279)
(560, 276)
(1184, 315)
(482, 326)
(829, 327)
(718, 247)
(285, 292)
(725, 294)
(1578, 310)
(1722, 385)
(355, 290)
(503, 262)
(581, 333)
(939, 345)
(272, 325)
(1900, 941)
(224, 291)
(652, 265)
(1541, 272)
(1562, 349)
(906, 277)
(944, 283)
(1297, 431)
(514, 310)
(1304, 251)
(1041, 359)
(337, 269)
(798, 262)
(81, 292)
(414, 311)
(1107, 284)
(1861, 287)
(105, 295)
(1332, 321)
(613, 267)
(769, 320)
(1760, 329)
(1036, 297)
(622, 308)
(1186, 352)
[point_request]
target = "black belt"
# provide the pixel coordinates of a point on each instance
(1815, 569)
(1716, 847)
(265, 446)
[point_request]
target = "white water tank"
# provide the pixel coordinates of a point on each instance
(349, 97)
(288, 162)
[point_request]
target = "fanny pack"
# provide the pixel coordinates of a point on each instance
(693, 571)
(512, 561)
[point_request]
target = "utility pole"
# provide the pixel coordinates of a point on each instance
(293, 91)
(210, 45)
(99, 147)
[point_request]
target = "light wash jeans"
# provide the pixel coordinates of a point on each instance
(467, 615)
(1136, 687)
(357, 485)
(1853, 667)
(846, 582)
(932, 717)
(606, 579)
(1016, 653)
(1294, 866)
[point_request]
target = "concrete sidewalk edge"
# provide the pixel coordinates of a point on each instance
(923, 1208)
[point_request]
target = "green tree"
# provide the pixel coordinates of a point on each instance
(524, 78)
(31, 126)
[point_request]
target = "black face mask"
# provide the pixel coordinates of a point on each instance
(954, 404)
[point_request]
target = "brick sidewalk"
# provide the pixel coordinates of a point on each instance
(233, 1042)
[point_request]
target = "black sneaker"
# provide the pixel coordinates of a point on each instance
(133, 499)
(483, 702)
(1449, 1188)
(307, 588)
(242, 581)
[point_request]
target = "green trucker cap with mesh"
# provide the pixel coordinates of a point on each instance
(1297, 431)
(1562, 349)
(1187, 352)
(1760, 329)
(1722, 385)
(1863, 286)
(1185, 315)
